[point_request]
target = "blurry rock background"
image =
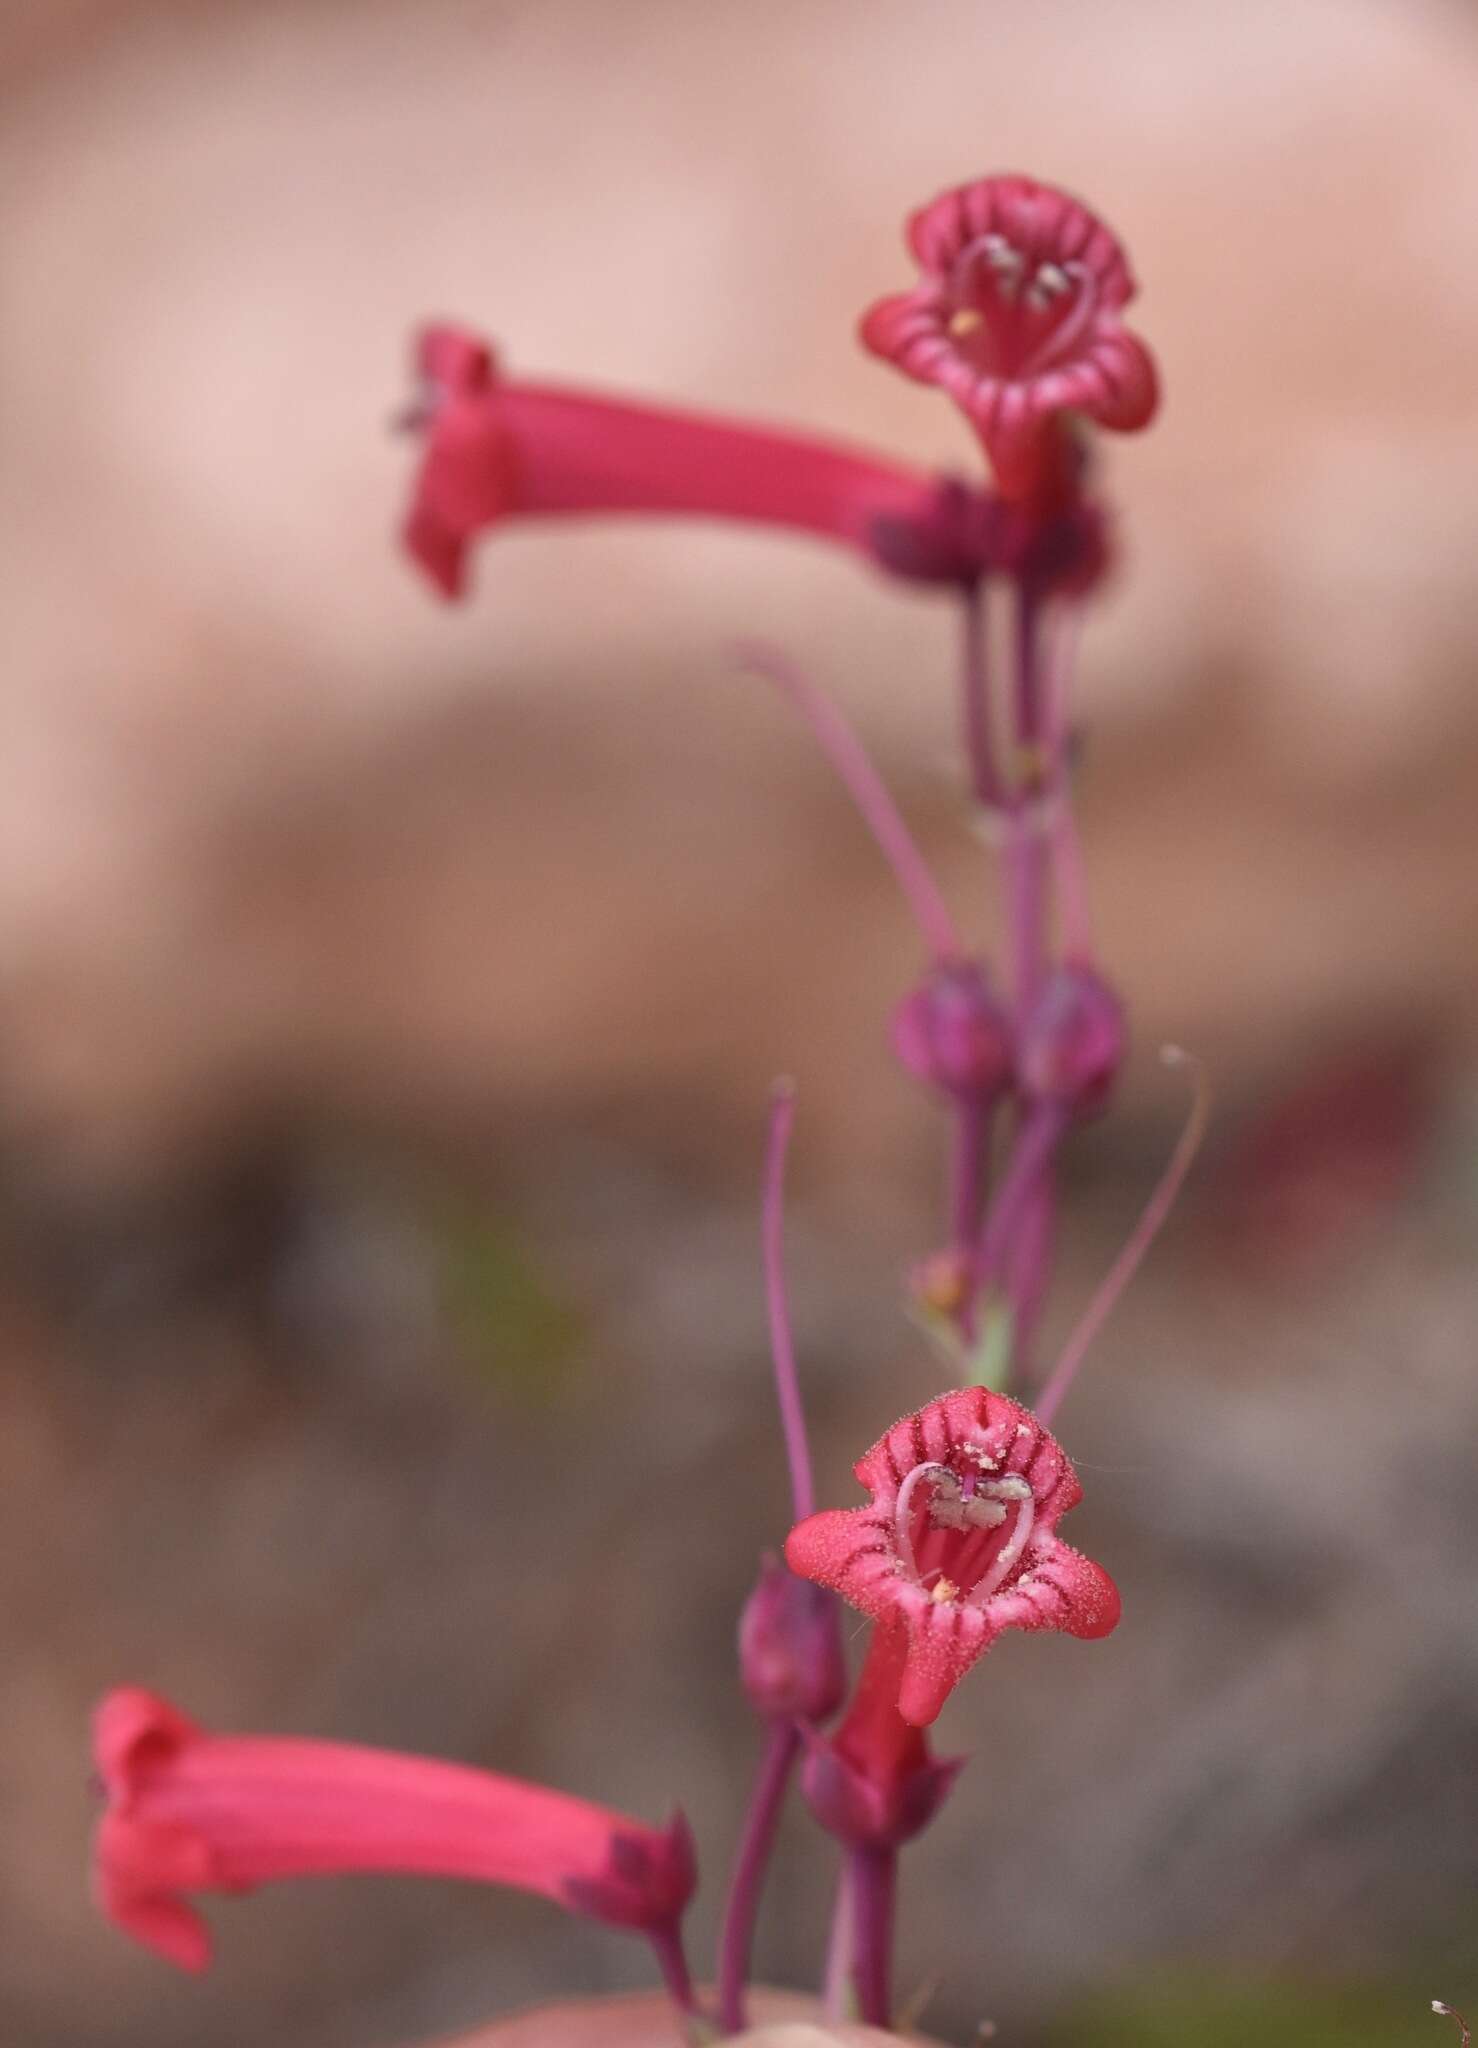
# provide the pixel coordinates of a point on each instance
(388, 994)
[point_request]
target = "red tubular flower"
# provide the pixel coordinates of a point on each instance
(497, 449)
(1017, 317)
(959, 1541)
(189, 1811)
(873, 1781)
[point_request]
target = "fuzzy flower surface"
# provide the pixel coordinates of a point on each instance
(1017, 317)
(959, 1541)
(189, 1811)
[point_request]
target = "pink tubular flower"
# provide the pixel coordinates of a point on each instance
(959, 1541)
(1017, 317)
(497, 449)
(189, 1811)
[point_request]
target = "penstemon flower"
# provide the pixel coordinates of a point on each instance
(959, 1541)
(497, 448)
(188, 1811)
(1017, 318)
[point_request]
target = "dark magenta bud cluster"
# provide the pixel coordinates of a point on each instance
(1072, 1042)
(952, 1032)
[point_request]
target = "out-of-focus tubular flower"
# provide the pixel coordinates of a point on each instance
(189, 1811)
(1017, 318)
(498, 448)
(959, 1541)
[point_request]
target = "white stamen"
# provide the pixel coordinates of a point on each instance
(942, 1476)
(1011, 1550)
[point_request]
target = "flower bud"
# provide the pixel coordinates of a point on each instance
(953, 1033)
(1072, 1044)
(790, 1647)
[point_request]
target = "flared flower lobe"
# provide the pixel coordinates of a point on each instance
(1017, 318)
(959, 1541)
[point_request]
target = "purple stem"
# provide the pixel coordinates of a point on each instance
(773, 1779)
(766, 1801)
(1036, 1138)
(1068, 878)
(867, 790)
(1143, 1235)
(839, 1950)
(1029, 1266)
(967, 1173)
(873, 1877)
(1026, 846)
(782, 1342)
(673, 1963)
(985, 776)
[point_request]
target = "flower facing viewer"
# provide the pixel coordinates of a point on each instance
(1017, 318)
(959, 1541)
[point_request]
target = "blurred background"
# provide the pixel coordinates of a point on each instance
(389, 993)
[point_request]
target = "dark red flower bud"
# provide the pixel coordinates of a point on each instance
(1072, 1043)
(790, 1647)
(953, 1032)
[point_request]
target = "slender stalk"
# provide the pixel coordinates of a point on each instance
(1069, 882)
(758, 1840)
(1028, 875)
(772, 1781)
(782, 1340)
(980, 752)
(673, 1963)
(1026, 845)
(1036, 1138)
(1029, 1265)
(968, 1173)
(868, 791)
(839, 1949)
(1126, 1265)
(873, 1869)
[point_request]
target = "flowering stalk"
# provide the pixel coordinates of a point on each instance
(189, 1811)
(790, 1647)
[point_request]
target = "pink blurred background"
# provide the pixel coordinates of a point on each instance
(388, 993)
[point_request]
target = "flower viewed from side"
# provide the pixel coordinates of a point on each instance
(188, 1811)
(959, 1541)
(1017, 318)
(497, 448)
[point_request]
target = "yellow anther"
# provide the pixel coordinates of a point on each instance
(968, 320)
(943, 1591)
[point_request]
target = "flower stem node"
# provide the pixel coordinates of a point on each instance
(1072, 1043)
(953, 1033)
(968, 1491)
(791, 1658)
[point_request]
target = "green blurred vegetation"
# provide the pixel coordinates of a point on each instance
(511, 1322)
(1188, 2010)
